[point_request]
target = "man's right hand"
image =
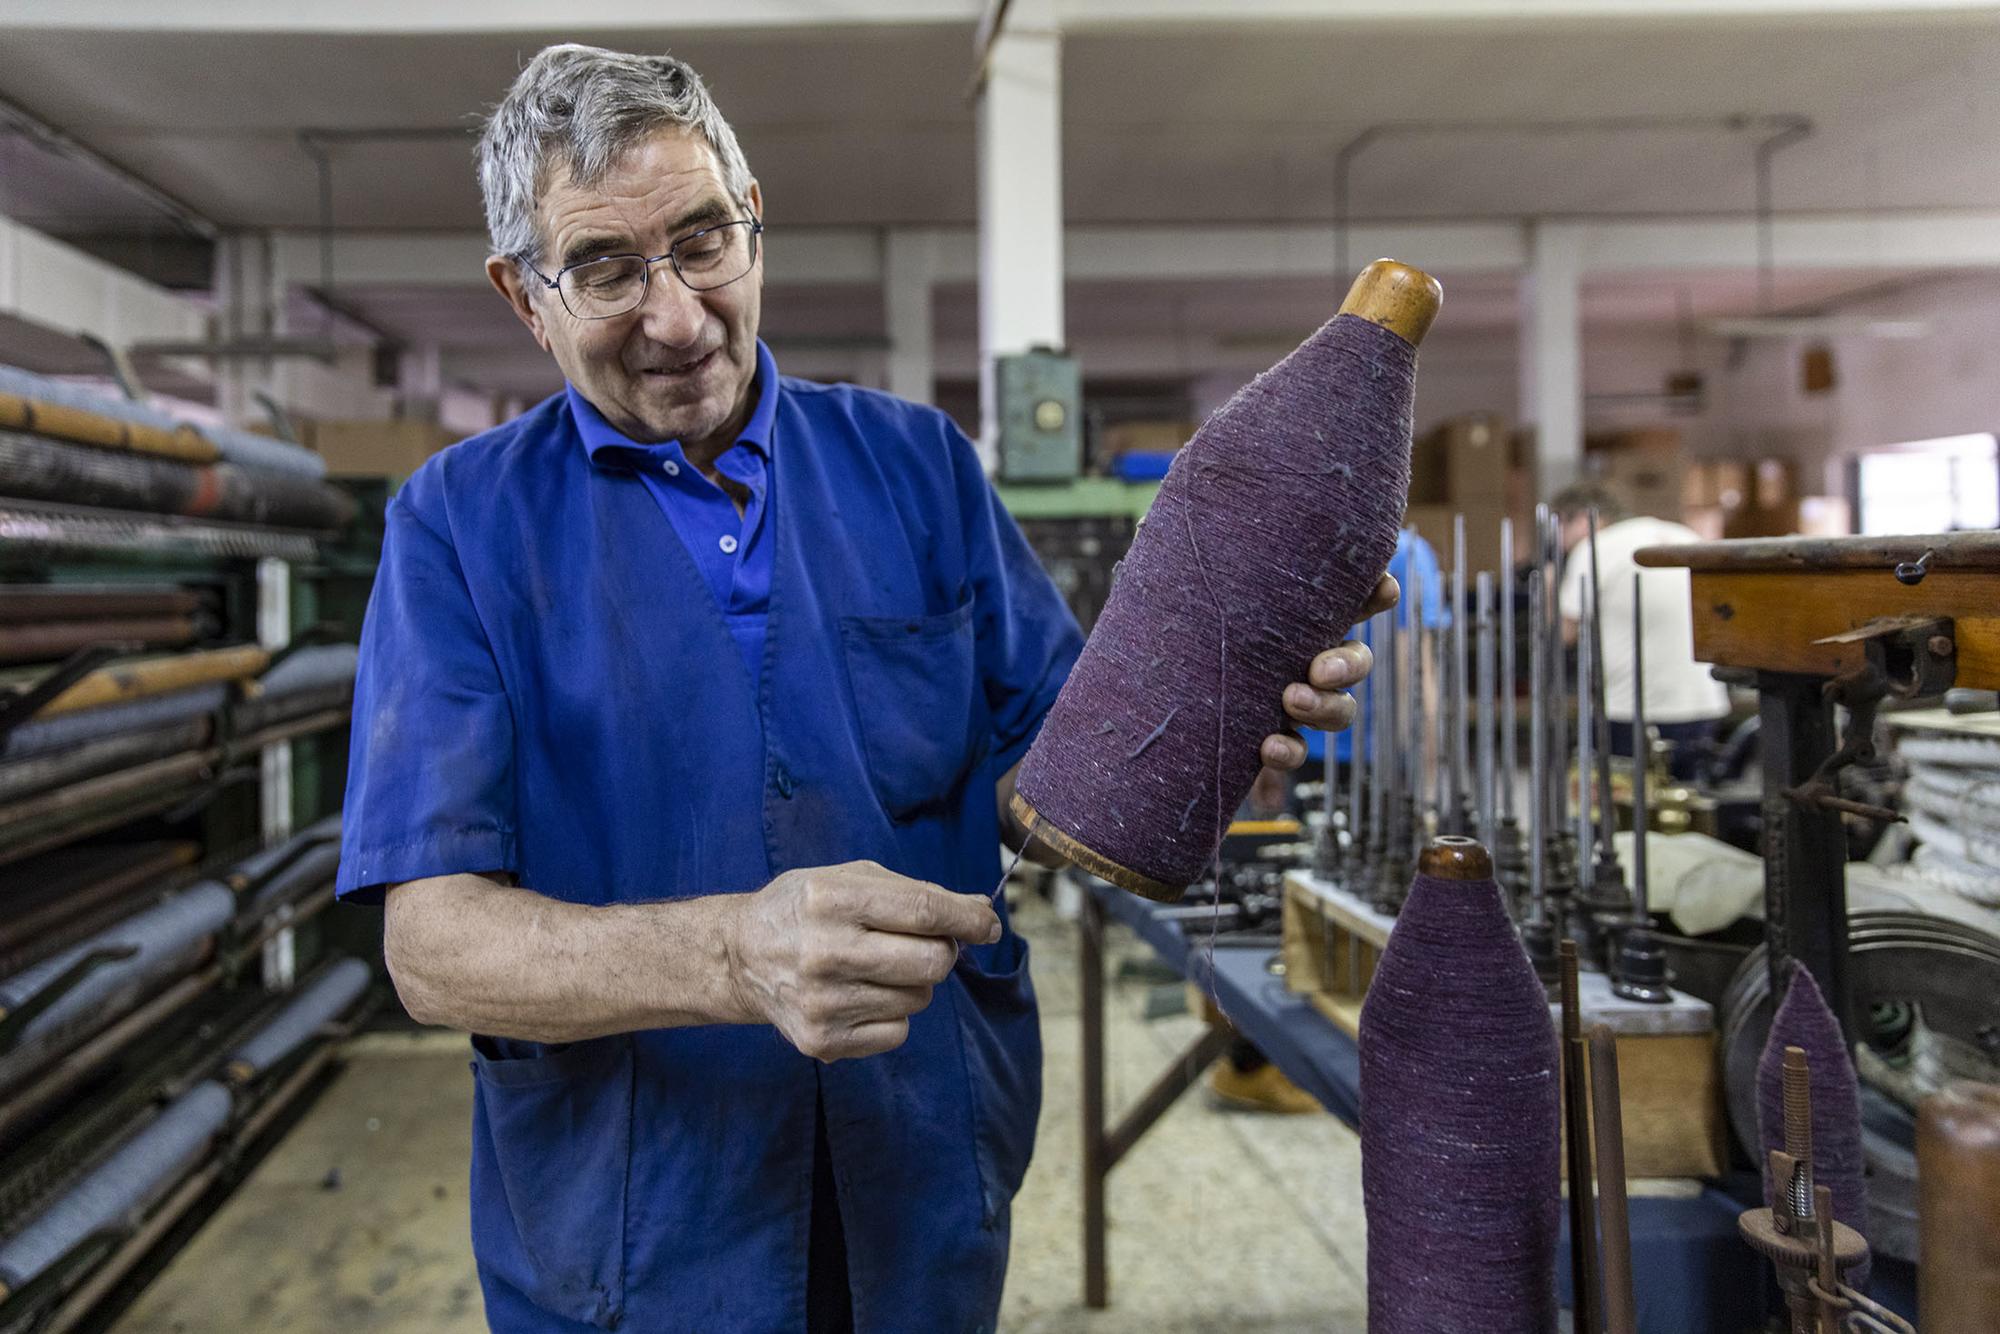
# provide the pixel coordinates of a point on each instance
(838, 958)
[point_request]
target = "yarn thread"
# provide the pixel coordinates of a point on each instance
(1267, 537)
(1460, 1175)
(1804, 1020)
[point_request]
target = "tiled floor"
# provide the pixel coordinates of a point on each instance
(1220, 1221)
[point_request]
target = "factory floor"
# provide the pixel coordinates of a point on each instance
(1220, 1220)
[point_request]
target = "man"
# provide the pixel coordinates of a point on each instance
(683, 698)
(1683, 701)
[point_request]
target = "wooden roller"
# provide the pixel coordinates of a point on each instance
(83, 427)
(1958, 1208)
(124, 681)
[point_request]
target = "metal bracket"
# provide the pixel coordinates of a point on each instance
(1908, 657)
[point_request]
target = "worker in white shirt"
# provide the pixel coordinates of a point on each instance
(1683, 701)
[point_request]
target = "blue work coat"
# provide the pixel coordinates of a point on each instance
(547, 687)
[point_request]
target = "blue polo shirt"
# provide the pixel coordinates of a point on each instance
(551, 684)
(729, 548)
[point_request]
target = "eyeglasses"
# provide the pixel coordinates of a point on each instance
(598, 289)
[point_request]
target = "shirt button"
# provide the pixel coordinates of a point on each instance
(784, 783)
(670, 468)
(728, 545)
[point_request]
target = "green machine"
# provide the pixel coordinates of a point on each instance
(1041, 416)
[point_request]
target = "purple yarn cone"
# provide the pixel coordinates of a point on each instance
(1460, 1131)
(1804, 1020)
(1266, 539)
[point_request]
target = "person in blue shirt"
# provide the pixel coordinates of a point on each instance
(1414, 558)
(688, 710)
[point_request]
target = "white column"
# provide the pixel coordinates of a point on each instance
(1552, 353)
(1020, 200)
(909, 267)
(248, 297)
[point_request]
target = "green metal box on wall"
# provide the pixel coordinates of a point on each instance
(1040, 393)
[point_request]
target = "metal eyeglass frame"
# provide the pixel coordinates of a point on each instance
(646, 271)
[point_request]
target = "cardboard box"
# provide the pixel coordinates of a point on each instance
(1482, 534)
(1461, 461)
(376, 448)
(1643, 468)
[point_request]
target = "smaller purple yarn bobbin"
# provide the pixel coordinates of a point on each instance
(1460, 1130)
(1804, 1020)
(1260, 550)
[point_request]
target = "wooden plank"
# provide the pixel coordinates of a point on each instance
(1806, 555)
(1769, 620)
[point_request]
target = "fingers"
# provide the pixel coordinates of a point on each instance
(1282, 751)
(1386, 595)
(898, 961)
(857, 1020)
(1341, 668)
(885, 901)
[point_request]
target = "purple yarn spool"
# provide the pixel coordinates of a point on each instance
(1804, 1020)
(1266, 539)
(1460, 1130)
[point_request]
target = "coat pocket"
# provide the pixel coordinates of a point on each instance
(553, 1145)
(917, 705)
(1002, 1037)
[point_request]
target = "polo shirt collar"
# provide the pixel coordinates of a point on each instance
(605, 443)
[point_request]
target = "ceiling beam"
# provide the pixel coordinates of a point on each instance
(537, 16)
(849, 256)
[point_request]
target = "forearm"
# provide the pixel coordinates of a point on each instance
(469, 952)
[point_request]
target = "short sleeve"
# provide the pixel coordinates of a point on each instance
(430, 779)
(1027, 638)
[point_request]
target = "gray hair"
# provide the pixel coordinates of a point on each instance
(581, 107)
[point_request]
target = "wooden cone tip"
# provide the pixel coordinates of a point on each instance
(1402, 299)
(1451, 857)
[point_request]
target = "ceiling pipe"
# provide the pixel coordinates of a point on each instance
(1786, 128)
(63, 144)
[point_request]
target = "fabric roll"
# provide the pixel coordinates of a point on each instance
(318, 1003)
(43, 735)
(136, 1174)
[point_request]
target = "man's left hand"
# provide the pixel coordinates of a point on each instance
(1322, 699)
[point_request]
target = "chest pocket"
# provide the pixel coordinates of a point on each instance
(916, 704)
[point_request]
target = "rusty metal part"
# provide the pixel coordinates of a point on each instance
(1903, 662)
(1614, 1220)
(85, 602)
(1576, 1133)
(1798, 1234)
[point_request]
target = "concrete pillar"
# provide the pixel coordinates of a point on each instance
(420, 387)
(1020, 201)
(909, 266)
(248, 298)
(1552, 353)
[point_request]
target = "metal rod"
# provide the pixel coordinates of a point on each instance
(1641, 755)
(1586, 830)
(1461, 757)
(1483, 710)
(1576, 1119)
(1381, 691)
(1558, 716)
(1538, 759)
(1414, 718)
(1613, 1215)
(1440, 731)
(1357, 762)
(1607, 816)
(1510, 759)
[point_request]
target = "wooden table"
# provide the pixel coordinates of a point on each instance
(1811, 622)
